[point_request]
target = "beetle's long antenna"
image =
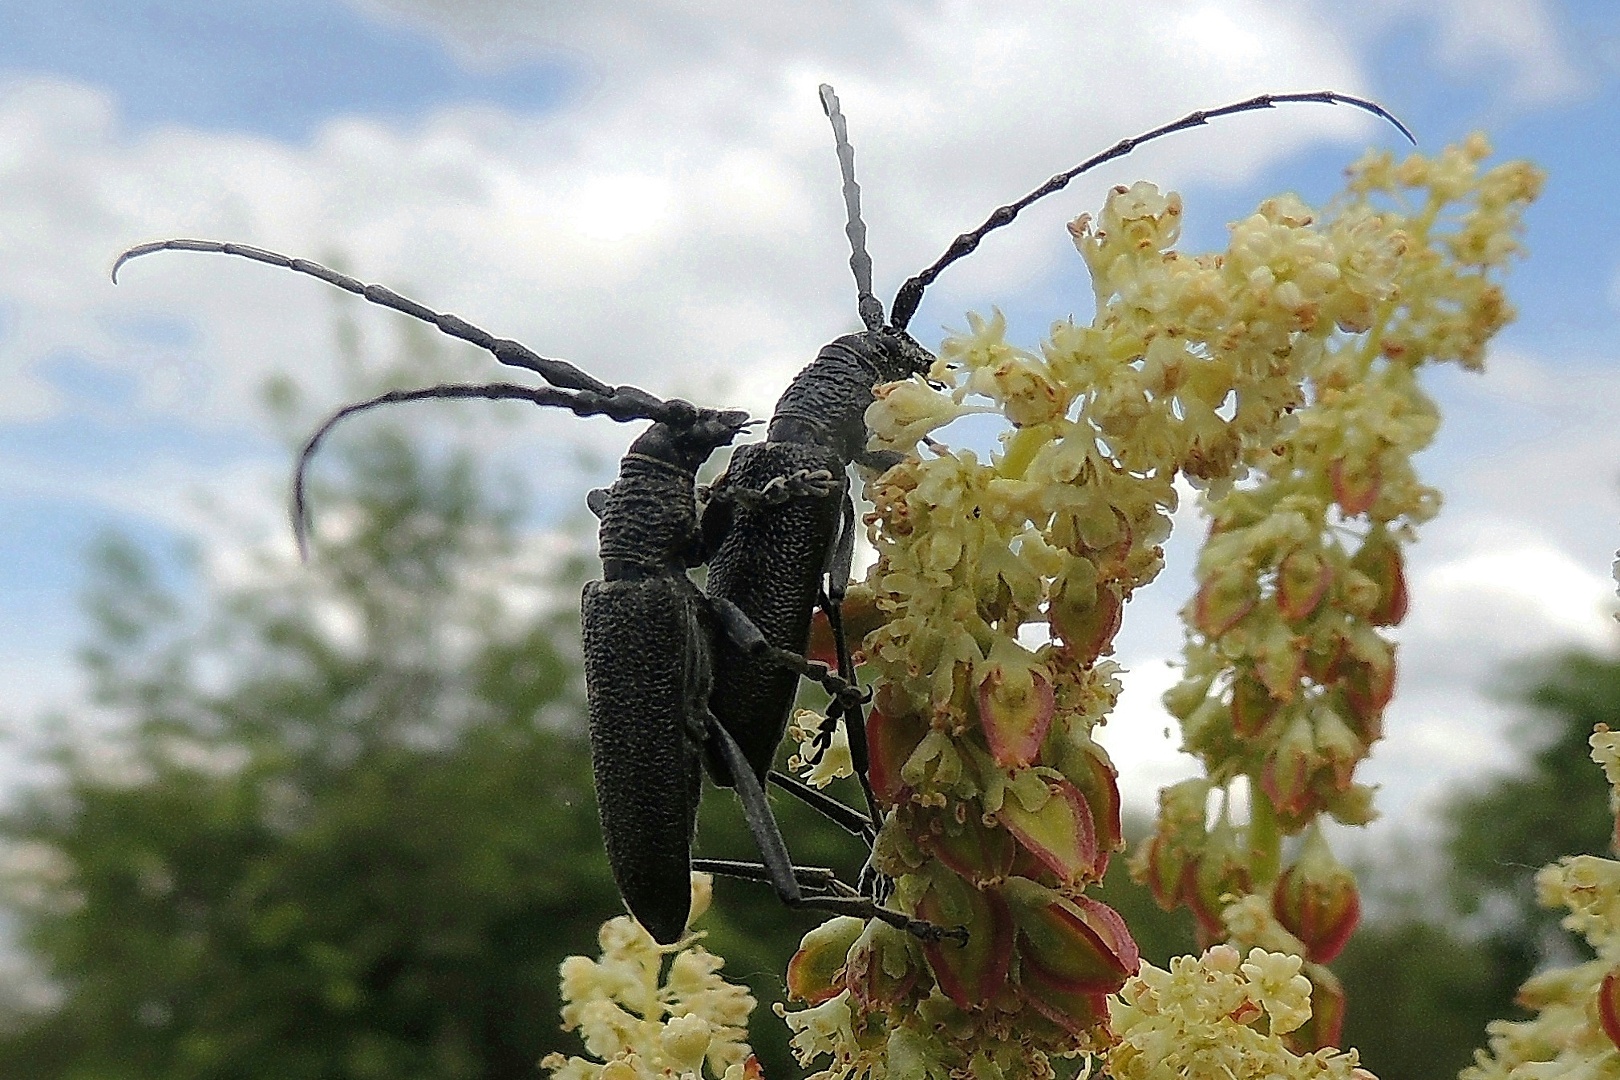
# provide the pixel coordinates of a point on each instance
(910, 294)
(620, 406)
(556, 372)
(867, 303)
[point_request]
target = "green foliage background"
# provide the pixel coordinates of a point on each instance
(337, 822)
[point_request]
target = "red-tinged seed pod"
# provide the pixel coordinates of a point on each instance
(1229, 594)
(1303, 578)
(1608, 1006)
(816, 972)
(1016, 704)
(1325, 1028)
(1381, 560)
(1076, 1012)
(1253, 707)
(1075, 944)
(890, 741)
(1162, 871)
(1085, 614)
(1322, 659)
(1368, 687)
(1222, 871)
(1316, 899)
(1060, 832)
(1290, 766)
(1340, 748)
(1088, 768)
(1355, 485)
(883, 967)
(982, 855)
(970, 974)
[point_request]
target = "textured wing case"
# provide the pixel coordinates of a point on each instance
(647, 676)
(770, 565)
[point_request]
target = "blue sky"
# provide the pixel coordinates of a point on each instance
(653, 195)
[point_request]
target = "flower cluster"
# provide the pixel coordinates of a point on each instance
(643, 1019)
(1000, 584)
(1219, 1015)
(1288, 670)
(1576, 1032)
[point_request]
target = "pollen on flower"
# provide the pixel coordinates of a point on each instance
(1218, 1015)
(644, 1019)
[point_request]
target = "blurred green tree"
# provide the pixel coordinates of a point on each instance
(1425, 973)
(337, 823)
(1554, 803)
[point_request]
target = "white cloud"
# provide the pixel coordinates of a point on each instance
(1521, 35)
(1518, 43)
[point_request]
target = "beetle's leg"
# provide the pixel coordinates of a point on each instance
(845, 817)
(815, 483)
(746, 636)
(777, 868)
(811, 879)
(827, 893)
(836, 571)
(841, 559)
(872, 882)
(757, 812)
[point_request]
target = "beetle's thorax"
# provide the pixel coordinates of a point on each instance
(826, 402)
(650, 519)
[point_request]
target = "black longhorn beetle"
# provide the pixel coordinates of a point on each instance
(677, 677)
(649, 632)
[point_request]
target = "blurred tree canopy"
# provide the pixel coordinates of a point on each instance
(1427, 973)
(338, 823)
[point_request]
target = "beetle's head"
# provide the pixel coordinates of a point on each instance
(901, 355)
(685, 436)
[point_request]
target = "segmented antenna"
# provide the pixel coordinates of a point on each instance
(910, 294)
(867, 303)
(556, 372)
(618, 405)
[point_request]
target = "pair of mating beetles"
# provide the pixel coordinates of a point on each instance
(682, 680)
